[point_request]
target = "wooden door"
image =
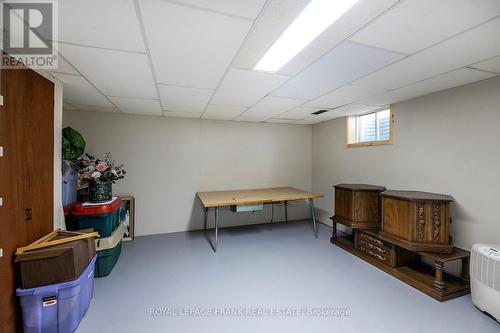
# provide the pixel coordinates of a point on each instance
(26, 175)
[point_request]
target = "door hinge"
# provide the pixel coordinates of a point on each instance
(1, 100)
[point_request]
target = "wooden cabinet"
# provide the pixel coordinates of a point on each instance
(26, 175)
(369, 243)
(357, 205)
(417, 221)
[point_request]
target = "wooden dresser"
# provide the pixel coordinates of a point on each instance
(417, 221)
(357, 206)
(414, 226)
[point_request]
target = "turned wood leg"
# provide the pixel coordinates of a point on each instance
(438, 280)
(465, 270)
(334, 231)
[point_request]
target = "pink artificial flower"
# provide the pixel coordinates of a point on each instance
(101, 166)
(87, 175)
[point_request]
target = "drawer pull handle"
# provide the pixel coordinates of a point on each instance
(373, 254)
(371, 239)
(373, 247)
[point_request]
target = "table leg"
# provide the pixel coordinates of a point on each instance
(438, 280)
(206, 211)
(216, 227)
(465, 270)
(286, 211)
(311, 204)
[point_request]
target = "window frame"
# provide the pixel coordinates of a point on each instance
(349, 135)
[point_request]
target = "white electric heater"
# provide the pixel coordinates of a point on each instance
(485, 278)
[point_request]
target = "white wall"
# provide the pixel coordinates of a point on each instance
(168, 160)
(447, 142)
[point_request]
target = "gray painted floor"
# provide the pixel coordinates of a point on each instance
(258, 270)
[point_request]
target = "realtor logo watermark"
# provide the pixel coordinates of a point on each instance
(29, 33)
(338, 312)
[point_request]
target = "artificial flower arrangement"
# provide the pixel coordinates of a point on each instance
(100, 174)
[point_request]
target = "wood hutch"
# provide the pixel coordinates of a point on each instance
(357, 206)
(414, 225)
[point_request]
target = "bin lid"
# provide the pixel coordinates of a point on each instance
(68, 208)
(83, 210)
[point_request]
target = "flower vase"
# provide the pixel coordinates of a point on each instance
(100, 192)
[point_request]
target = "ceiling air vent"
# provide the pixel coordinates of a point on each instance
(320, 112)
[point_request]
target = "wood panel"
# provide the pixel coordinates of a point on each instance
(26, 173)
(395, 216)
(417, 221)
(344, 204)
(366, 207)
(357, 205)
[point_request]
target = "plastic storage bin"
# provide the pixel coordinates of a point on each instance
(108, 251)
(69, 181)
(57, 308)
(102, 218)
(106, 260)
(111, 241)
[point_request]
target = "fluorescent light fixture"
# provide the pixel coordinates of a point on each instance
(311, 22)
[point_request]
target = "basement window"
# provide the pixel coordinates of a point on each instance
(370, 129)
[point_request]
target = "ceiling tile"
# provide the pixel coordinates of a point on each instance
(491, 65)
(114, 73)
(309, 121)
(414, 25)
(470, 47)
(191, 47)
(243, 8)
(109, 24)
(222, 112)
(245, 88)
(76, 90)
(270, 106)
(348, 110)
(344, 95)
(273, 21)
(444, 81)
(280, 120)
(183, 99)
(177, 114)
(97, 108)
(138, 106)
(68, 106)
(64, 67)
(363, 12)
(279, 14)
(251, 119)
(298, 113)
(342, 65)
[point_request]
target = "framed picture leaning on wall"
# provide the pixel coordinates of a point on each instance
(127, 216)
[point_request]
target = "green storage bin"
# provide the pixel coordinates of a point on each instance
(102, 218)
(106, 260)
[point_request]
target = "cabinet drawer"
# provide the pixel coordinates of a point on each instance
(373, 240)
(384, 258)
(375, 248)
